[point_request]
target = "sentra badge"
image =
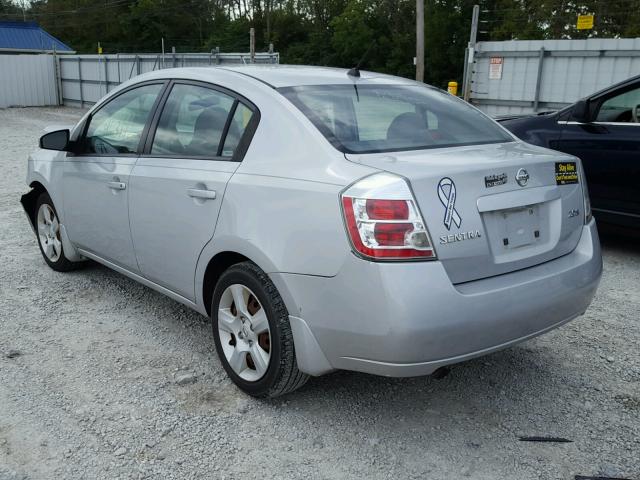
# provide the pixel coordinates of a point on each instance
(459, 237)
(447, 196)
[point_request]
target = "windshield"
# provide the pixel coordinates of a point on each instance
(384, 118)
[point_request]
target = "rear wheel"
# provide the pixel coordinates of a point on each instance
(252, 333)
(47, 226)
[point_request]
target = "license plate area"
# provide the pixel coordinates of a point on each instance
(521, 226)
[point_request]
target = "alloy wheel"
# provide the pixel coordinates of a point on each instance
(244, 332)
(49, 232)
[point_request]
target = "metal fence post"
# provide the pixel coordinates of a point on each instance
(80, 82)
(106, 75)
(536, 98)
(133, 65)
(471, 47)
(465, 72)
(138, 64)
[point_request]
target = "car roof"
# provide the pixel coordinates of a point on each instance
(295, 75)
(277, 76)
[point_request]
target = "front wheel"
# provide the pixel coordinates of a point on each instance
(47, 226)
(252, 333)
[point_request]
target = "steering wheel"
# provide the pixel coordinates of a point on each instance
(635, 114)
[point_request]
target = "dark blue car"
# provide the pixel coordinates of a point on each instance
(604, 131)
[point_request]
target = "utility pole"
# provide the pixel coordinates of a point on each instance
(471, 50)
(267, 6)
(420, 40)
(252, 44)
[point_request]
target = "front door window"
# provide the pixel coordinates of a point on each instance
(623, 108)
(117, 127)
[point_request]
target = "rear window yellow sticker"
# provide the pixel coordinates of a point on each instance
(566, 173)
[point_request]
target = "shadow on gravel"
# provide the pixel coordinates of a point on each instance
(137, 294)
(478, 386)
(478, 396)
(483, 383)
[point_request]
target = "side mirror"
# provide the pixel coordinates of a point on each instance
(58, 140)
(581, 112)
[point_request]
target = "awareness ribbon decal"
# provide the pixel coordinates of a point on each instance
(447, 196)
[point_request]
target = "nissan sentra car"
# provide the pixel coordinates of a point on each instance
(322, 219)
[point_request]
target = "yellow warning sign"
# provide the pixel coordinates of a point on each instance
(566, 173)
(585, 22)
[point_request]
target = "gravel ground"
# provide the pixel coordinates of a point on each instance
(90, 362)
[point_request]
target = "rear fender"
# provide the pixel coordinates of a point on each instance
(245, 248)
(309, 355)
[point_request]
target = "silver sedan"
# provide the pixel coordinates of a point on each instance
(322, 219)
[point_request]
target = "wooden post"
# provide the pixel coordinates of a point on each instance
(162, 52)
(57, 70)
(252, 44)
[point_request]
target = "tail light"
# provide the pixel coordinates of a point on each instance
(585, 193)
(383, 221)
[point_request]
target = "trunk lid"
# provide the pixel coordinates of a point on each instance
(482, 222)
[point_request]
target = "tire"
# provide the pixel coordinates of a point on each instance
(47, 226)
(233, 333)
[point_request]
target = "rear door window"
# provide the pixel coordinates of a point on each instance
(193, 122)
(239, 123)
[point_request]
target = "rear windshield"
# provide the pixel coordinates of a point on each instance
(384, 118)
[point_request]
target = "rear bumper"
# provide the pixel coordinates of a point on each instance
(407, 319)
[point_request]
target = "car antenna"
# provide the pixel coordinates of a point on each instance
(355, 71)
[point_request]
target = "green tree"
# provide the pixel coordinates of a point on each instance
(324, 32)
(10, 10)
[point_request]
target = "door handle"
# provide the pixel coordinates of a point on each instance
(117, 185)
(198, 193)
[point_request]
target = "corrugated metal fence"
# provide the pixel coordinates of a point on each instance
(85, 79)
(27, 80)
(81, 80)
(535, 75)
